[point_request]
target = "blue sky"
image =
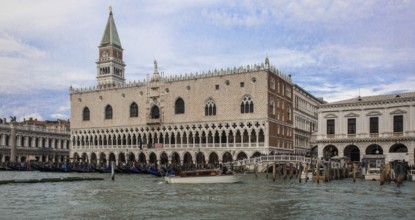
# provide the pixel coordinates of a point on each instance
(333, 49)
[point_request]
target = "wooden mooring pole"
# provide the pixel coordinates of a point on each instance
(318, 172)
(274, 172)
(354, 172)
(112, 170)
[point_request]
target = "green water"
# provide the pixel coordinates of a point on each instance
(147, 197)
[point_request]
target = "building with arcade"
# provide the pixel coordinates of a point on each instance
(368, 128)
(204, 117)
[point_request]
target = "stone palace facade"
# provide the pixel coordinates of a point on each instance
(369, 128)
(208, 117)
(44, 141)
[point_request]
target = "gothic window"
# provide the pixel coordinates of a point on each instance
(133, 110)
(210, 107)
(289, 113)
(247, 105)
(398, 123)
(273, 83)
(179, 106)
(155, 112)
(108, 112)
(85, 114)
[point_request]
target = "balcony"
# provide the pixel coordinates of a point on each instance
(153, 121)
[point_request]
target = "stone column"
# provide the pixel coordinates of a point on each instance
(13, 141)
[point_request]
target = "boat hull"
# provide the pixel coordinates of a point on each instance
(203, 179)
(373, 177)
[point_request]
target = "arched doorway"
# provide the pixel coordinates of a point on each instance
(187, 158)
(213, 159)
(330, 151)
(75, 157)
(131, 157)
(23, 159)
(256, 154)
(241, 156)
(200, 158)
(7, 158)
(153, 158)
(155, 112)
(164, 159)
(352, 152)
(175, 158)
(398, 148)
(374, 149)
(112, 157)
(142, 158)
(93, 158)
(121, 158)
(84, 157)
(227, 157)
(103, 158)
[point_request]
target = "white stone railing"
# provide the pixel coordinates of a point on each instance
(273, 158)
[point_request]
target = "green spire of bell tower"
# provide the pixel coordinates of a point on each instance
(110, 63)
(110, 36)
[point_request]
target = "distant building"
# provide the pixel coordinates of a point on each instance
(46, 141)
(209, 117)
(305, 119)
(372, 127)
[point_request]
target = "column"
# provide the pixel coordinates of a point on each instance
(13, 142)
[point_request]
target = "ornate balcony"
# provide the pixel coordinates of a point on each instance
(153, 121)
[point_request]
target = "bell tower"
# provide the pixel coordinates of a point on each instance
(110, 64)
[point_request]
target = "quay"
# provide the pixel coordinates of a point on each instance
(48, 180)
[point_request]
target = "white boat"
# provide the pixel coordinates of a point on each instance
(411, 175)
(373, 174)
(202, 176)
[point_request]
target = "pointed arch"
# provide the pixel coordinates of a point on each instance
(155, 112)
(247, 104)
(86, 114)
(108, 112)
(133, 110)
(179, 107)
(210, 107)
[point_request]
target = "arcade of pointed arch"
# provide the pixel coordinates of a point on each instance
(214, 136)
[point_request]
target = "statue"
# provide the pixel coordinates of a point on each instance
(13, 119)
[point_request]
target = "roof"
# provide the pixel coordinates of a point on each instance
(375, 98)
(110, 36)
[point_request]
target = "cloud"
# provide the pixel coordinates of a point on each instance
(332, 48)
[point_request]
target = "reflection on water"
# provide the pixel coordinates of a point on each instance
(147, 197)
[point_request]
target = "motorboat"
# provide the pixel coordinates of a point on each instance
(202, 176)
(373, 174)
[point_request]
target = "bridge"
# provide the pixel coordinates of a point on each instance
(262, 162)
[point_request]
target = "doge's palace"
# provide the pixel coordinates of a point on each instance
(204, 117)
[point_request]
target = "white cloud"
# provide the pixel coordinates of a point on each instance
(325, 45)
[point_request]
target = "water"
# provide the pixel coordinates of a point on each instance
(147, 197)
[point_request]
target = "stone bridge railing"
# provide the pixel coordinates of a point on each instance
(273, 158)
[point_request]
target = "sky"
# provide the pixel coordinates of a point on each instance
(333, 49)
